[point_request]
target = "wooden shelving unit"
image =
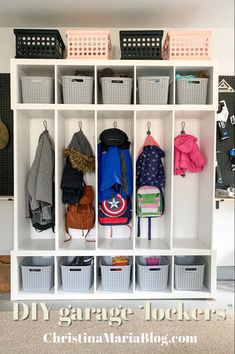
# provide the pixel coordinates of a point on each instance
(187, 225)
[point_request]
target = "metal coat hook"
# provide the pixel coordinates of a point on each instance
(148, 128)
(45, 124)
(80, 125)
(182, 128)
(115, 124)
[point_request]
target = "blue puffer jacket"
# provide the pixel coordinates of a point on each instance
(115, 173)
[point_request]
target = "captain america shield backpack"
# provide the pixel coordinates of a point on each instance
(115, 211)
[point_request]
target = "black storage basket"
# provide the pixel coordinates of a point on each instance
(39, 44)
(141, 44)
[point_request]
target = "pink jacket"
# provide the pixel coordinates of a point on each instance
(187, 156)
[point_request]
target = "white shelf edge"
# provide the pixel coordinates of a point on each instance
(111, 62)
(110, 107)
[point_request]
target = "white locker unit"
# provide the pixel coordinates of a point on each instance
(186, 228)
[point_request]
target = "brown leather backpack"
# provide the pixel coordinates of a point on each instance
(81, 216)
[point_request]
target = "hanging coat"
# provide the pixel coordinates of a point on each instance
(187, 156)
(79, 160)
(40, 185)
(149, 167)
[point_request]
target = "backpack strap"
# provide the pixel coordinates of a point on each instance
(87, 240)
(149, 229)
(111, 230)
(138, 227)
(70, 237)
(67, 231)
(163, 199)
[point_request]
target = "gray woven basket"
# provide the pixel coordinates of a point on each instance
(76, 278)
(77, 89)
(115, 278)
(154, 277)
(37, 89)
(191, 91)
(37, 273)
(153, 89)
(116, 90)
(189, 272)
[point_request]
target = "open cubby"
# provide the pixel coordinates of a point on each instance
(68, 124)
(72, 70)
(197, 72)
(28, 127)
(32, 70)
(192, 222)
(119, 71)
(117, 237)
(152, 71)
(162, 130)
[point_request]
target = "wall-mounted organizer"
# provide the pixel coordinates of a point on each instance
(185, 228)
(227, 94)
(6, 150)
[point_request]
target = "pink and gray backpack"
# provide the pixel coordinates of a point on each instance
(150, 180)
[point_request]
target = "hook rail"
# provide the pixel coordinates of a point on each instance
(45, 124)
(148, 128)
(182, 127)
(80, 124)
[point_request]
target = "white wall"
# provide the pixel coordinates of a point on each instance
(223, 51)
(222, 48)
(224, 232)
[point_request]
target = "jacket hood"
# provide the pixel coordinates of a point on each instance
(185, 142)
(80, 143)
(155, 148)
(80, 153)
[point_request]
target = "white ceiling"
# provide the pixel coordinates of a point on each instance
(114, 13)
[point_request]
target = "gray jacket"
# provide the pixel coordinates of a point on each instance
(39, 189)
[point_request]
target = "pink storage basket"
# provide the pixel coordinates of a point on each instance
(88, 44)
(187, 45)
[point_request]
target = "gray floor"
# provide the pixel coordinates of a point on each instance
(224, 300)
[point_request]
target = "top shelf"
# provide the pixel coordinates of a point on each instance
(115, 62)
(59, 70)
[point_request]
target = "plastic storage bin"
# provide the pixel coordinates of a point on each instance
(37, 273)
(141, 44)
(37, 89)
(77, 89)
(154, 277)
(116, 90)
(189, 272)
(115, 278)
(76, 278)
(191, 91)
(187, 45)
(153, 89)
(39, 44)
(88, 44)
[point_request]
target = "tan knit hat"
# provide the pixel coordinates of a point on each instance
(4, 135)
